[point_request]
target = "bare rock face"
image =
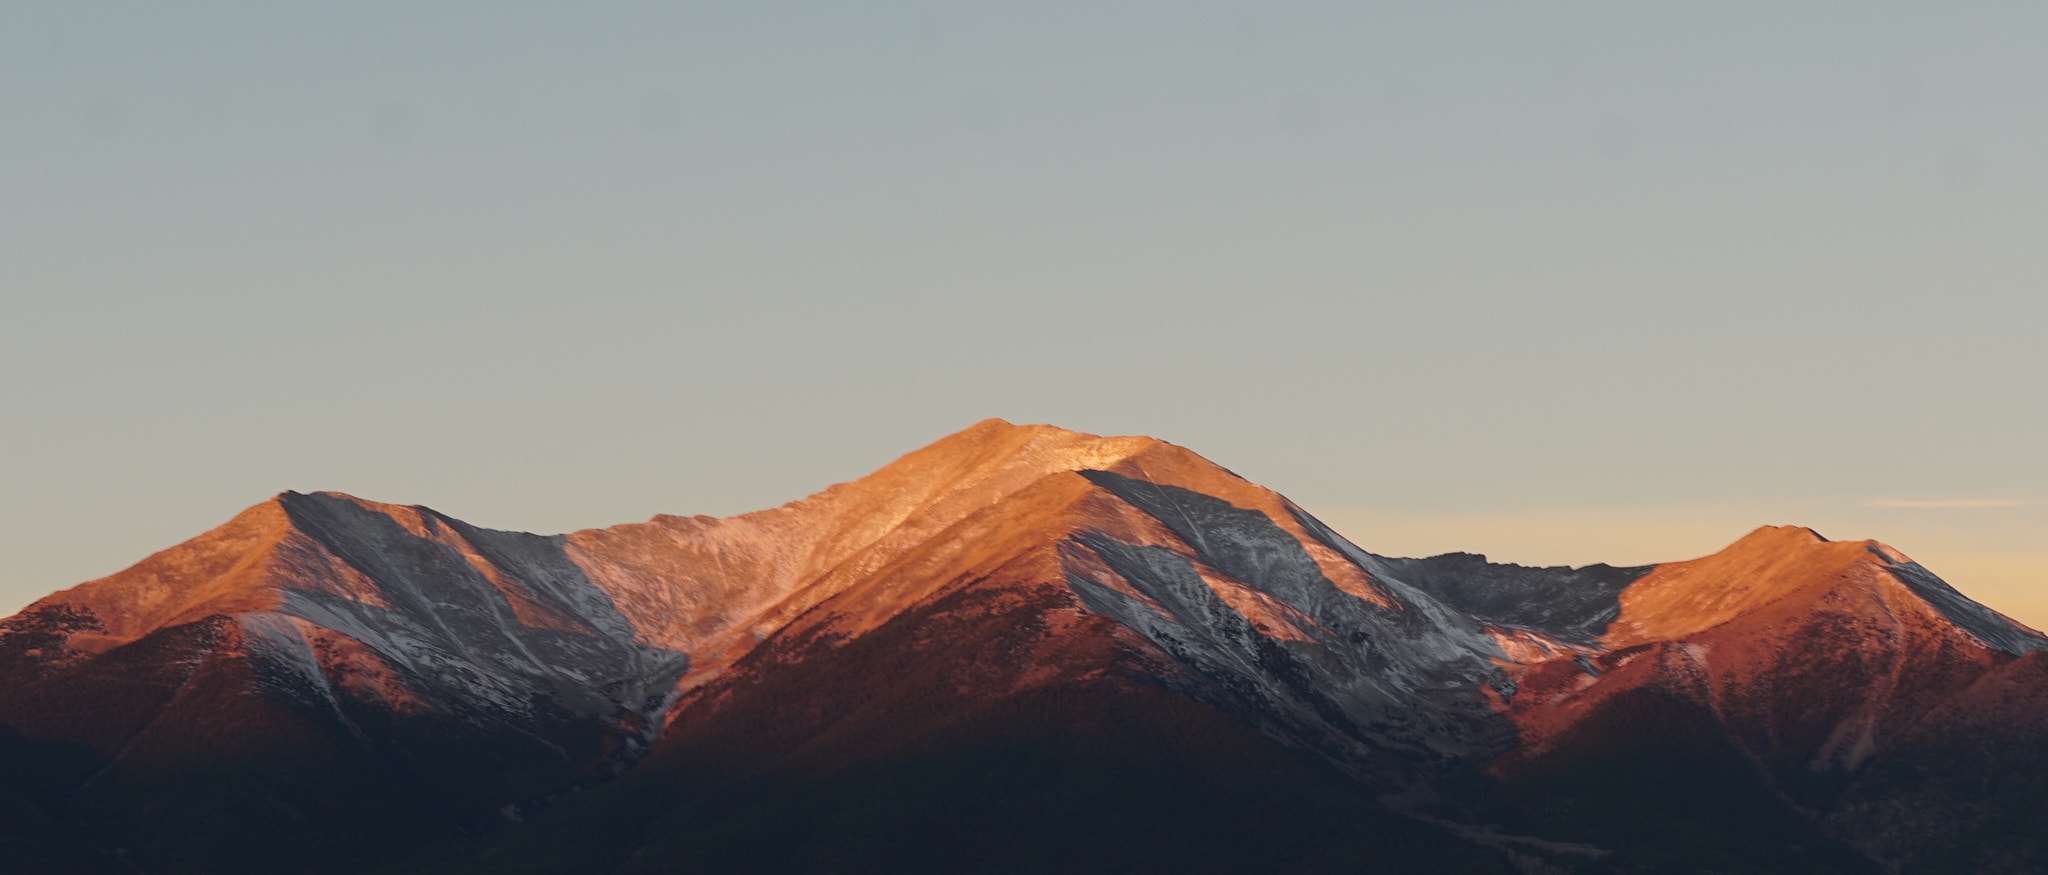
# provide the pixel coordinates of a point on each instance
(1089, 652)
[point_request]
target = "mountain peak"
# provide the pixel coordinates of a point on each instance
(1782, 568)
(1769, 536)
(1047, 446)
(1678, 599)
(182, 583)
(1004, 579)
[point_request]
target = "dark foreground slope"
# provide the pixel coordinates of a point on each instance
(1019, 649)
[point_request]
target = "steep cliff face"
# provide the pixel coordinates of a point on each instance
(1046, 609)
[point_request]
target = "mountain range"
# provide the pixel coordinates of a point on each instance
(1019, 649)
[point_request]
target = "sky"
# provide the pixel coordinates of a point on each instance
(1558, 283)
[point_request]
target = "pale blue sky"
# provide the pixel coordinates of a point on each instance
(1457, 273)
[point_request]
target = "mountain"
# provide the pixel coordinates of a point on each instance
(1018, 649)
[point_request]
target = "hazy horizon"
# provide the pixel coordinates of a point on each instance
(1567, 285)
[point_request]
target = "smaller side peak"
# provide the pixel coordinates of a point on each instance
(1792, 539)
(1678, 599)
(1769, 566)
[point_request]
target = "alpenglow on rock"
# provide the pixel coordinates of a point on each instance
(1020, 649)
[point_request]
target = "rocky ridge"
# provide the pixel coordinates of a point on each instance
(1034, 572)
